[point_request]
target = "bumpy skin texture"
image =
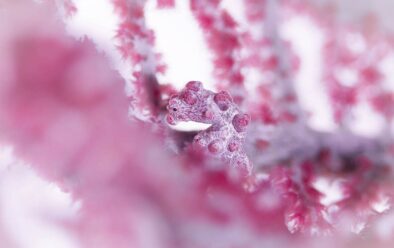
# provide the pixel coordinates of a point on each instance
(225, 137)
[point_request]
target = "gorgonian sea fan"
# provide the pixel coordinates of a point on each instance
(254, 178)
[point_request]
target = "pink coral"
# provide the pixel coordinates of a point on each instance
(142, 183)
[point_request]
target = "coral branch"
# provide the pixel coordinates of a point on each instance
(223, 38)
(136, 45)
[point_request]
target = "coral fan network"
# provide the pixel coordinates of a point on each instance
(258, 174)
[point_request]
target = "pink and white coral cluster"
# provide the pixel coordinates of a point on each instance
(65, 112)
